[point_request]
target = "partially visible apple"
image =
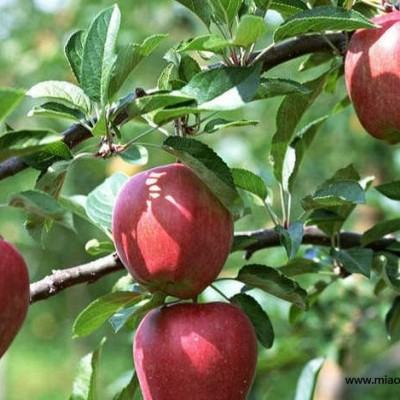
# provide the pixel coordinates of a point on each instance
(14, 293)
(372, 72)
(170, 231)
(195, 351)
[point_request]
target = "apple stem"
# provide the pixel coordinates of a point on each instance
(220, 292)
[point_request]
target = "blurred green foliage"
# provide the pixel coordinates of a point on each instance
(346, 325)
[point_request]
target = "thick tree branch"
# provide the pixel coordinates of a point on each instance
(272, 57)
(252, 241)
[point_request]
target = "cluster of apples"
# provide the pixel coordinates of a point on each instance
(14, 293)
(372, 72)
(173, 235)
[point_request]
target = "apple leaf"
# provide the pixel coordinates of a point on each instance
(380, 230)
(307, 381)
(100, 310)
(37, 202)
(99, 56)
(74, 52)
(291, 237)
(129, 390)
(129, 57)
(135, 154)
(85, 382)
(20, 143)
(288, 8)
(9, 100)
(392, 320)
(250, 182)
(57, 110)
(272, 87)
(249, 30)
(201, 8)
(211, 42)
(62, 92)
(333, 194)
(299, 266)
(390, 190)
(225, 11)
(152, 102)
(225, 88)
(355, 260)
(320, 19)
(274, 282)
(258, 317)
(220, 123)
(100, 201)
(210, 168)
(288, 117)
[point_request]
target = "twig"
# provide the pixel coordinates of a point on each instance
(256, 240)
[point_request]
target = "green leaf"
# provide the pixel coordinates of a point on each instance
(37, 202)
(56, 110)
(250, 182)
(211, 42)
(288, 117)
(216, 124)
(19, 143)
(146, 104)
(100, 310)
(129, 391)
(355, 260)
(337, 193)
(209, 167)
(392, 320)
(201, 8)
(291, 237)
(169, 114)
(85, 382)
(225, 11)
(95, 248)
(131, 315)
(320, 19)
(390, 190)
(129, 57)
(272, 87)
(258, 317)
(99, 54)
(300, 145)
(9, 100)
(299, 266)
(135, 154)
(74, 52)
(52, 180)
(187, 68)
(62, 92)
(380, 230)
(263, 4)
(100, 201)
(225, 88)
(288, 8)
(274, 282)
(249, 30)
(307, 381)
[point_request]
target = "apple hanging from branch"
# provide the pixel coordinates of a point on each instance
(14, 293)
(170, 231)
(195, 351)
(372, 72)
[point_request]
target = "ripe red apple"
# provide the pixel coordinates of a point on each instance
(14, 293)
(372, 72)
(195, 351)
(170, 230)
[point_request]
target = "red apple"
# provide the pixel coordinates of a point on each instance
(14, 293)
(170, 230)
(372, 71)
(195, 352)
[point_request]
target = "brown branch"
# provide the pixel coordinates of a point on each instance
(272, 57)
(251, 242)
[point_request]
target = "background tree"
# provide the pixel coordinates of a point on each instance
(275, 92)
